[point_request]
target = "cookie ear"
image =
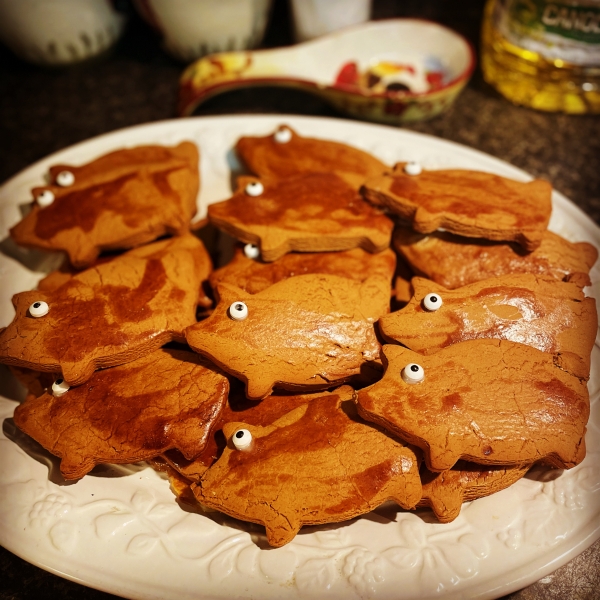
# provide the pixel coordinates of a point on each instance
(243, 180)
(422, 286)
(393, 352)
(20, 300)
(227, 293)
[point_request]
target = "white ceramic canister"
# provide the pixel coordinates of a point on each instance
(194, 28)
(59, 32)
(314, 18)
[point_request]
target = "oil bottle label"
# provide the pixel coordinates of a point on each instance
(559, 29)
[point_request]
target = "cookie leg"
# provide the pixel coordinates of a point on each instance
(71, 468)
(83, 254)
(446, 504)
(77, 373)
(281, 530)
(257, 390)
(440, 459)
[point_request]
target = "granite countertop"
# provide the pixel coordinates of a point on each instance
(44, 110)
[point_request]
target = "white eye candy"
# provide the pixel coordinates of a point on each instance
(283, 135)
(413, 373)
(45, 198)
(251, 251)
(65, 178)
(255, 188)
(39, 309)
(241, 439)
(60, 387)
(432, 302)
(238, 311)
(412, 168)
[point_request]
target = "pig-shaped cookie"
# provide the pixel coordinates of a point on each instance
(284, 153)
(552, 316)
(320, 463)
(308, 212)
(110, 314)
(167, 399)
(469, 203)
(492, 402)
(445, 492)
(120, 200)
(254, 275)
(239, 408)
(306, 332)
(454, 261)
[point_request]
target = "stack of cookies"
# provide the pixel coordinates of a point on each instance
(379, 333)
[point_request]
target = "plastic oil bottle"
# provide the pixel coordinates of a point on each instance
(544, 54)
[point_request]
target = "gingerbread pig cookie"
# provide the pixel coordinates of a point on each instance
(253, 275)
(320, 463)
(308, 212)
(468, 203)
(552, 316)
(120, 200)
(492, 402)
(239, 408)
(284, 154)
(110, 314)
(445, 492)
(454, 261)
(306, 332)
(167, 399)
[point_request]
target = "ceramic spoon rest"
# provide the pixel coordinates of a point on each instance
(393, 71)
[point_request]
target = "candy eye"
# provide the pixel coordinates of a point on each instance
(241, 439)
(412, 168)
(39, 309)
(283, 135)
(413, 373)
(45, 198)
(238, 311)
(432, 302)
(65, 178)
(251, 251)
(255, 188)
(60, 387)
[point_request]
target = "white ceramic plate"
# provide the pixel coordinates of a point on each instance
(121, 530)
